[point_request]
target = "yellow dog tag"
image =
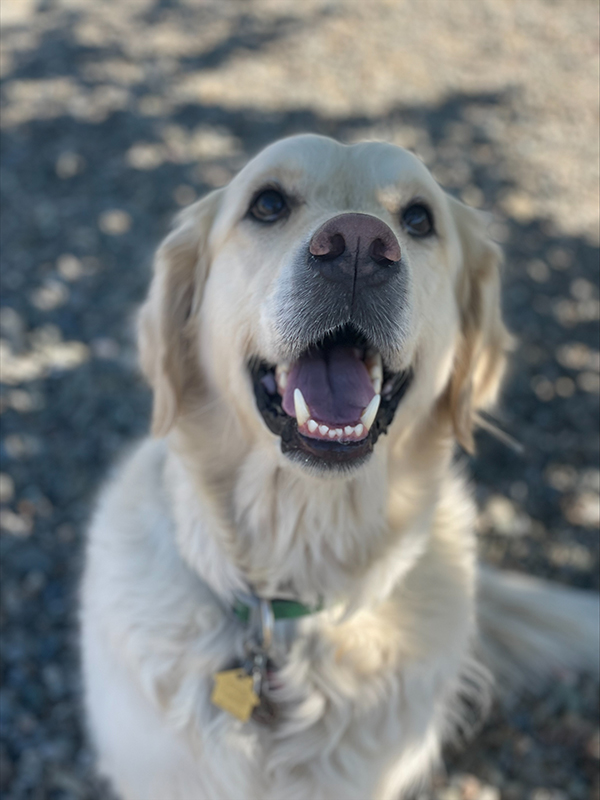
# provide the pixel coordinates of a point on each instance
(234, 692)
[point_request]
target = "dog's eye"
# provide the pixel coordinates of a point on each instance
(417, 220)
(269, 206)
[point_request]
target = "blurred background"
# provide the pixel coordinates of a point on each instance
(115, 115)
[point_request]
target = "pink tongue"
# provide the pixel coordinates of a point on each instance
(335, 385)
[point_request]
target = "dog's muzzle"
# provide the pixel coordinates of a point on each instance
(349, 272)
(341, 313)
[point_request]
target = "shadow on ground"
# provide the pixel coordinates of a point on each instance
(91, 177)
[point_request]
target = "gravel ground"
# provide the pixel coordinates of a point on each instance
(115, 114)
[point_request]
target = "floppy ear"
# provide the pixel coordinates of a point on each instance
(484, 341)
(165, 336)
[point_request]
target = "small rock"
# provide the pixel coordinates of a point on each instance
(114, 222)
(15, 524)
(7, 488)
(52, 294)
(105, 348)
(69, 164)
(69, 267)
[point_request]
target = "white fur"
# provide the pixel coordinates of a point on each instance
(371, 686)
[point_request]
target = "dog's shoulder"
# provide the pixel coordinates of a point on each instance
(133, 504)
(133, 565)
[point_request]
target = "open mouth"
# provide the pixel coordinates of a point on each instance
(329, 406)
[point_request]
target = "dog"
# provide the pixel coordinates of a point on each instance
(281, 597)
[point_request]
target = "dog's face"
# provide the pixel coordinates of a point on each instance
(328, 294)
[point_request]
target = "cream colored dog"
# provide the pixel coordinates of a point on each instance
(281, 596)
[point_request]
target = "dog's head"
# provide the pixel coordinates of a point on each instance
(327, 294)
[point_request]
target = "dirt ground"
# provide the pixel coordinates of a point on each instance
(115, 114)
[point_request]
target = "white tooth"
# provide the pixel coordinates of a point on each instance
(312, 425)
(323, 429)
(374, 364)
(387, 388)
(332, 434)
(302, 410)
(359, 429)
(281, 376)
(373, 360)
(370, 412)
(338, 432)
(348, 430)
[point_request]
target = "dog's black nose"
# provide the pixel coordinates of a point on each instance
(355, 249)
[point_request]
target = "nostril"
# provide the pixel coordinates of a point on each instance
(337, 245)
(383, 252)
(328, 247)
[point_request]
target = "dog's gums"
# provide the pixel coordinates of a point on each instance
(329, 406)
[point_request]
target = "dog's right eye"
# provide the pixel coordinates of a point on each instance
(268, 206)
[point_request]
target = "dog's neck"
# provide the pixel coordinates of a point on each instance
(267, 527)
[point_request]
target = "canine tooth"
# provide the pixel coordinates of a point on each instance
(302, 410)
(312, 425)
(359, 429)
(323, 430)
(376, 385)
(332, 433)
(348, 430)
(370, 412)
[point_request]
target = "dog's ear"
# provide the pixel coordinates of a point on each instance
(484, 341)
(164, 331)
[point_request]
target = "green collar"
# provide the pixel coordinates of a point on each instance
(282, 609)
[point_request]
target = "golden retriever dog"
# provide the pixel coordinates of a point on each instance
(281, 599)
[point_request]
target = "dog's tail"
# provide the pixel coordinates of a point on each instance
(531, 630)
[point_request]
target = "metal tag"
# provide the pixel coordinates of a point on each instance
(256, 665)
(242, 691)
(233, 692)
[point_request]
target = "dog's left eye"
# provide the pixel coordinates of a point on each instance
(417, 220)
(269, 206)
